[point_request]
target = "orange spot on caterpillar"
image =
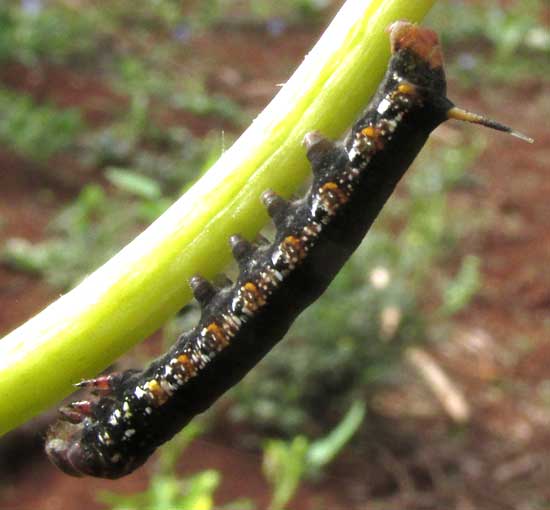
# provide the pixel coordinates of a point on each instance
(294, 247)
(370, 132)
(218, 334)
(186, 363)
(334, 193)
(406, 88)
(254, 298)
(374, 134)
(250, 287)
(160, 396)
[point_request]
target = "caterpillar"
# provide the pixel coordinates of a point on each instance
(136, 411)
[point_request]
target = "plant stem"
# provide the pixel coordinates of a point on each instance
(136, 291)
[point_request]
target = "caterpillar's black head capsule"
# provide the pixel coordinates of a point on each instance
(72, 452)
(65, 449)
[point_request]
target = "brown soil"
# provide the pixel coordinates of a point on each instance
(497, 355)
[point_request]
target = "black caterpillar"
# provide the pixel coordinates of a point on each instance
(139, 410)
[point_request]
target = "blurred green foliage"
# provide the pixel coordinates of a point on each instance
(287, 463)
(39, 34)
(166, 491)
(83, 237)
(459, 292)
(90, 230)
(495, 42)
(34, 130)
(38, 31)
(31, 32)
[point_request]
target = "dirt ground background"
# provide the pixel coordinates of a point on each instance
(498, 355)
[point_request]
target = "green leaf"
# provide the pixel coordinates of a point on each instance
(463, 288)
(324, 450)
(283, 465)
(133, 183)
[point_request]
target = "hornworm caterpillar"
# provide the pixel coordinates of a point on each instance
(139, 410)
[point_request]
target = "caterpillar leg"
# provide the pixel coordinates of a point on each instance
(104, 385)
(242, 250)
(203, 290)
(323, 154)
(317, 146)
(277, 207)
(75, 412)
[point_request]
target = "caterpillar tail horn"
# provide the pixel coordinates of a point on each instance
(464, 115)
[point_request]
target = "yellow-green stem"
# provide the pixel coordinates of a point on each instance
(136, 291)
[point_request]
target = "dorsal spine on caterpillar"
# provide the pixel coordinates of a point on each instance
(139, 410)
